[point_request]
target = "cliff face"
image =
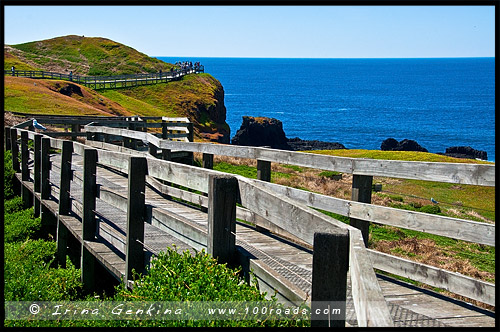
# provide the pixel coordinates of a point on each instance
(210, 118)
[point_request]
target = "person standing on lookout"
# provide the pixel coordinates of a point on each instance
(13, 70)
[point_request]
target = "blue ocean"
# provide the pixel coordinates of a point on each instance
(439, 102)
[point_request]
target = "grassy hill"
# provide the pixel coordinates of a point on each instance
(199, 97)
(82, 55)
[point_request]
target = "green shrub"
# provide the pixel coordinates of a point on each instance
(175, 276)
(8, 175)
(294, 167)
(329, 174)
(396, 198)
(434, 209)
(415, 205)
(13, 205)
(30, 277)
(21, 225)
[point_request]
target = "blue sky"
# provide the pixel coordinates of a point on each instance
(268, 31)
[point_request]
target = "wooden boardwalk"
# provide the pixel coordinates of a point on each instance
(109, 82)
(289, 262)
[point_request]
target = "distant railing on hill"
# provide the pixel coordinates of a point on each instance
(109, 82)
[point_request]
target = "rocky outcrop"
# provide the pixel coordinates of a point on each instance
(262, 131)
(466, 152)
(68, 89)
(297, 144)
(391, 144)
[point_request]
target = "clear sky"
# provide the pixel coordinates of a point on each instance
(268, 31)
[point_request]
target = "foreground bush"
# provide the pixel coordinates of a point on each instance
(29, 275)
(8, 175)
(175, 276)
(21, 225)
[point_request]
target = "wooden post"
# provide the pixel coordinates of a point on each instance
(45, 168)
(136, 212)
(222, 197)
(64, 201)
(89, 194)
(166, 154)
(329, 279)
(36, 170)
(190, 157)
(208, 160)
(75, 128)
(89, 135)
(152, 149)
(362, 192)
(107, 138)
(164, 129)
(48, 221)
(132, 144)
(88, 220)
(264, 170)
(25, 176)
(7, 138)
(15, 150)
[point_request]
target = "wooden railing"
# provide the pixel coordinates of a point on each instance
(109, 82)
(180, 129)
(221, 193)
(359, 210)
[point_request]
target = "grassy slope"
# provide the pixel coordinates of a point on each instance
(189, 97)
(175, 98)
(85, 56)
(24, 95)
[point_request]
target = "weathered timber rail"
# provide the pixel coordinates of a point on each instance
(283, 210)
(359, 209)
(176, 129)
(109, 82)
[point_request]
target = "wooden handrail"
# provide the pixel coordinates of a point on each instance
(289, 209)
(102, 82)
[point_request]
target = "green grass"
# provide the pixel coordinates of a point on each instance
(243, 170)
(294, 167)
(246, 171)
(396, 155)
(91, 56)
(135, 105)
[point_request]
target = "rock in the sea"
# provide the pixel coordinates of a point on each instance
(391, 144)
(466, 152)
(261, 131)
(297, 144)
